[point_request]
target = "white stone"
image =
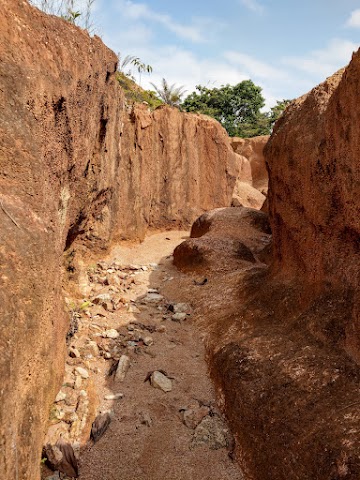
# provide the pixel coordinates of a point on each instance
(112, 333)
(181, 308)
(114, 396)
(153, 298)
(159, 380)
(60, 397)
(178, 317)
(123, 367)
(82, 372)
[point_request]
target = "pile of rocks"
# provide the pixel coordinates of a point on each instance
(94, 339)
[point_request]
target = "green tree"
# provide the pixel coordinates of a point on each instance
(170, 94)
(276, 111)
(237, 108)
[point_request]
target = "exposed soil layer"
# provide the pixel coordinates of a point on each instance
(291, 395)
(73, 177)
(313, 162)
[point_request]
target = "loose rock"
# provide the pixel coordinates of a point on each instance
(82, 372)
(114, 396)
(159, 380)
(122, 368)
(178, 317)
(213, 432)
(112, 333)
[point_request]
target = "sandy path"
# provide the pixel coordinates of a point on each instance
(147, 438)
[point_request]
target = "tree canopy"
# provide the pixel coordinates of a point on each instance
(237, 108)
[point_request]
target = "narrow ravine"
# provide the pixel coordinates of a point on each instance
(153, 434)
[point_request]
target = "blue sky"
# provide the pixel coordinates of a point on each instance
(285, 46)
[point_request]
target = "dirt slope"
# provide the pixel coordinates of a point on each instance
(290, 395)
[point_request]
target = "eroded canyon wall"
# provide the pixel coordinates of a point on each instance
(252, 182)
(59, 130)
(74, 172)
(314, 168)
(174, 167)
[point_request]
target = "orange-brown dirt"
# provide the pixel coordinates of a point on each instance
(69, 179)
(290, 394)
(252, 183)
(153, 435)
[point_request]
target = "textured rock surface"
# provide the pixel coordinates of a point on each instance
(313, 159)
(69, 177)
(290, 393)
(284, 342)
(252, 166)
(55, 122)
(174, 167)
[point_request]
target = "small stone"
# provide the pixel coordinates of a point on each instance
(161, 381)
(144, 268)
(153, 265)
(102, 297)
(182, 308)
(153, 298)
(82, 372)
(107, 355)
(153, 290)
(148, 341)
(78, 382)
(93, 348)
(74, 352)
(60, 397)
(114, 396)
(161, 329)
(145, 419)
(100, 425)
(122, 368)
(178, 317)
(112, 333)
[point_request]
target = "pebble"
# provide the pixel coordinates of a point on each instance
(153, 265)
(144, 268)
(145, 419)
(181, 308)
(178, 317)
(122, 368)
(82, 372)
(159, 380)
(78, 382)
(114, 396)
(153, 290)
(74, 352)
(148, 341)
(112, 333)
(60, 397)
(93, 348)
(161, 329)
(153, 298)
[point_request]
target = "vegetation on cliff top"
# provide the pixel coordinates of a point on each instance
(237, 108)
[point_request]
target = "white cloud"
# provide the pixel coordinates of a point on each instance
(324, 62)
(354, 20)
(255, 67)
(253, 5)
(140, 11)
